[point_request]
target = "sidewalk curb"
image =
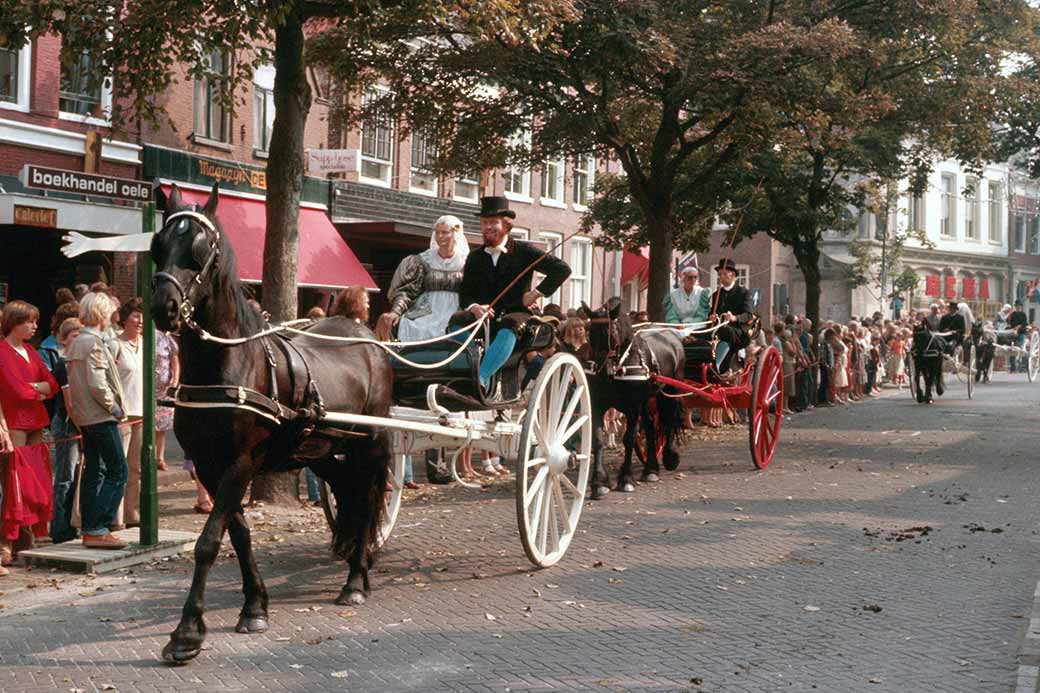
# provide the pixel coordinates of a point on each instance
(1029, 651)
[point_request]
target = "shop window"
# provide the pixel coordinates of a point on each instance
(211, 116)
(377, 136)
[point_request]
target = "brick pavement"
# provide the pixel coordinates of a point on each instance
(718, 579)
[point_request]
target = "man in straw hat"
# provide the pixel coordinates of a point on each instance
(491, 269)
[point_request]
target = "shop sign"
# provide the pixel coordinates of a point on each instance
(333, 161)
(75, 182)
(984, 289)
(951, 287)
(36, 216)
(931, 285)
(236, 175)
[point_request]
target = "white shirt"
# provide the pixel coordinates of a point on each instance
(496, 251)
(130, 365)
(22, 352)
(685, 304)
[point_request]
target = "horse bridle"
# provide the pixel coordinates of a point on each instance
(204, 250)
(613, 344)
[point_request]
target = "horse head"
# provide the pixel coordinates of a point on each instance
(190, 257)
(610, 330)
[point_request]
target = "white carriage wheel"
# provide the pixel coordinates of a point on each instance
(1033, 367)
(391, 499)
(551, 476)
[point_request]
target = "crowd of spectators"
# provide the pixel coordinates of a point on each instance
(71, 418)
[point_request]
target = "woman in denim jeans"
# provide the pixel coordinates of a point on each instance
(65, 450)
(96, 396)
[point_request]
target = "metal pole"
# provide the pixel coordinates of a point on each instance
(149, 531)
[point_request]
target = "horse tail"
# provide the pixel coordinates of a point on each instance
(360, 499)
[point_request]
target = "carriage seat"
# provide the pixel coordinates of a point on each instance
(1006, 337)
(699, 351)
(411, 383)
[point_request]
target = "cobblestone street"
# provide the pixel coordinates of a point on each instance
(890, 546)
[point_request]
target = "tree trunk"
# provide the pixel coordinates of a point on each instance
(660, 268)
(808, 258)
(292, 101)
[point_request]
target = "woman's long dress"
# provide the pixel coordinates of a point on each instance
(430, 286)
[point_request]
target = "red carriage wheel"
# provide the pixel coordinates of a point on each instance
(765, 406)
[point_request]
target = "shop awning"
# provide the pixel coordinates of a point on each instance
(635, 265)
(324, 260)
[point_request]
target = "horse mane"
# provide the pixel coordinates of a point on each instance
(227, 286)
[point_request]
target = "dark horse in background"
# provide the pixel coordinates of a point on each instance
(227, 425)
(927, 351)
(610, 336)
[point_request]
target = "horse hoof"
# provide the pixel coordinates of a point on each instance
(600, 492)
(177, 654)
(671, 464)
(628, 488)
(350, 597)
(650, 478)
(251, 624)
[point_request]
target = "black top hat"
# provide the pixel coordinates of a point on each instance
(726, 264)
(496, 207)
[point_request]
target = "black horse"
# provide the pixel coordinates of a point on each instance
(927, 352)
(612, 338)
(257, 406)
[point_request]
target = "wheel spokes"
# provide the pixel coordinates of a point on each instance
(568, 413)
(536, 484)
(562, 505)
(573, 428)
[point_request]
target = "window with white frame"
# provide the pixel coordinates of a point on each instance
(211, 117)
(81, 88)
(424, 153)
(1020, 233)
(915, 212)
(519, 233)
(552, 182)
(584, 175)
(377, 138)
(467, 187)
(517, 179)
(554, 246)
(996, 218)
(581, 271)
(263, 107)
(15, 77)
(947, 205)
(971, 210)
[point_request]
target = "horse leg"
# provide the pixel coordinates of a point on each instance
(186, 640)
(600, 481)
(625, 482)
(670, 415)
(651, 469)
(253, 616)
(359, 514)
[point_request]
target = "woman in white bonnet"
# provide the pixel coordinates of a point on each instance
(425, 289)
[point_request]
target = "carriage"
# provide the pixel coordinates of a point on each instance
(1005, 344)
(544, 425)
(754, 385)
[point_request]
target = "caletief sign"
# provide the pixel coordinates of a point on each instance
(75, 182)
(36, 216)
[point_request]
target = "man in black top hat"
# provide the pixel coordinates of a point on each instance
(952, 322)
(731, 304)
(490, 270)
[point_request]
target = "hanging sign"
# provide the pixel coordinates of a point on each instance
(75, 182)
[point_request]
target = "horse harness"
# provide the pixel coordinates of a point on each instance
(305, 408)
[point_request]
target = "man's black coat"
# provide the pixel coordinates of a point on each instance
(482, 280)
